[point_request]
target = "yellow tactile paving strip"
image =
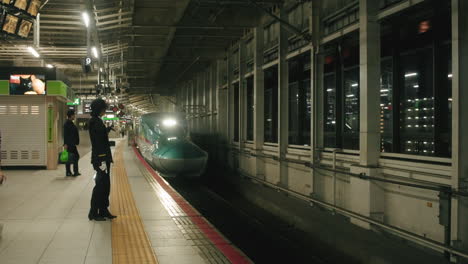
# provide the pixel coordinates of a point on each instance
(130, 244)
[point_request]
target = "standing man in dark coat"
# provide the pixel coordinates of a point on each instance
(71, 139)
(101, 158)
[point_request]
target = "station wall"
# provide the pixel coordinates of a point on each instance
(220, 111)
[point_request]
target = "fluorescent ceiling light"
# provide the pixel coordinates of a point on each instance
(50, 66)
(110, 116)
(354, 85)
(411, 74)
(100, 69)
(86, 19)
(34, 52)
(450, 75)
(95, 52)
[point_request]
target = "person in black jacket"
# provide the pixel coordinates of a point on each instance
(101, 158)
(71, 139)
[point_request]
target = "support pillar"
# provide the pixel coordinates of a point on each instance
(367, 198)
(259, 102)
(459, 226)
(314, 31)
(283, 104)
(213, 92)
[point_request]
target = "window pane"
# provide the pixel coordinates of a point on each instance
(236, 112)
(299, 100)
(386, 107)
(250, 108)
(443, 108)
(417, 103)
(271, 104)
(351, 109)
(265, 36)
(294, 113)
(330, 107)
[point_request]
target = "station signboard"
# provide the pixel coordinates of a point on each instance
(77, 101)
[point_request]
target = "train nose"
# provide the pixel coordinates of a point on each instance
(180, 158)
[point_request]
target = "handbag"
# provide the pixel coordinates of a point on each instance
(63, 157)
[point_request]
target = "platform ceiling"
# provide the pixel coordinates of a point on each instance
(149, 45)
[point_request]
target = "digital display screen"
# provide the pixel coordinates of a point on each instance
(32, 84)
(25, 28)
(21, 4)
(34, 6)
(10, 24)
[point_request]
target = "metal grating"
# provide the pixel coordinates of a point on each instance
(24, 154)
(35, 155)
(14, 154)
(13, 109)
(24, 109)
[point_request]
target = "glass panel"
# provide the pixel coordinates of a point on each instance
(351, 109)
(236, 112)
(271, 104)
(294, 137)
(444, 108)
(250, 108)
(417, 103)
(330, 107)
(386, 107)
(299, 100)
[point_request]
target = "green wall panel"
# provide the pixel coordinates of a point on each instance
(57, 88)
(4, 87)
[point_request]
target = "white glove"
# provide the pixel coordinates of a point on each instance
(103, 166)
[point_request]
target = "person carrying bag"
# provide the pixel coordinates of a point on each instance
(71, 139)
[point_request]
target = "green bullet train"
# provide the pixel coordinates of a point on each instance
(163, 140)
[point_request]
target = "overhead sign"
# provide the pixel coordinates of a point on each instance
(87, 63)
(77, 101)
(110, 118)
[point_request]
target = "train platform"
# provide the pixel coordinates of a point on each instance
(44, 217)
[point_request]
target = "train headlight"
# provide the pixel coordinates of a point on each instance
(169, 122)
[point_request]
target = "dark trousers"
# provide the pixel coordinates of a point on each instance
(76, 156)
(101, 191)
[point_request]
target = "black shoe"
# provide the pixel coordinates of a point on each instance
(95, 217)
(68, 174)
(107, 215)
(77, 174)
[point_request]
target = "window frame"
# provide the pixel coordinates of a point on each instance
(273, 104)
(335, 48)
(436, 45)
